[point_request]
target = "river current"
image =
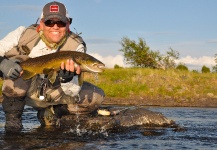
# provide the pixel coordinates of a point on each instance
(198, 132)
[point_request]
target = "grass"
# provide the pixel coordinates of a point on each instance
(151, 83)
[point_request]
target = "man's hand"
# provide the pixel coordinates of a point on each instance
(68, 71)
(10, 68)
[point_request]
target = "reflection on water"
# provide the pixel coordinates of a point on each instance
(200, 133)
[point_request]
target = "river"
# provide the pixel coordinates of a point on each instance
(199, 131)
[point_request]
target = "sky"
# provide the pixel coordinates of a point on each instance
(186, 26)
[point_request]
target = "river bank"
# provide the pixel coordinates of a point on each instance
(203, 102)
(151, 87)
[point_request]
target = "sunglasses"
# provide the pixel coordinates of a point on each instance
(51, 23)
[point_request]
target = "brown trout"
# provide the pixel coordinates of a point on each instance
(50, 64)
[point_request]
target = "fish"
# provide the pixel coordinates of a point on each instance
(50, 64)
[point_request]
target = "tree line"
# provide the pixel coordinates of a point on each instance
(139, 54)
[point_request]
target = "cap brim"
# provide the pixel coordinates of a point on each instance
(63, 19)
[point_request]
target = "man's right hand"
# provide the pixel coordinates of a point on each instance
(10, 68)
(68, 70)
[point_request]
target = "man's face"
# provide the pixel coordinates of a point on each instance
(54, 30)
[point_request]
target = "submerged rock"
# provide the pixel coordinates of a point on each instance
(137, 117)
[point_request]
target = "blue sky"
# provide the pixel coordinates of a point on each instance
(187, 26)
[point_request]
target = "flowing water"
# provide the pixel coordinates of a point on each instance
(199, 131)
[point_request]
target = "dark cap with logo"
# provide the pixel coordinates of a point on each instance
(55, 10)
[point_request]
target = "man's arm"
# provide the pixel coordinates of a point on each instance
(10, 68)
(10, 40)
(81, 48)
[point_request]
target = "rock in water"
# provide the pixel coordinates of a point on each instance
(137, 117)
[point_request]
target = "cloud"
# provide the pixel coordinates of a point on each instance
(204, 60)
(191, 62)
(197, 63)
(110, 61)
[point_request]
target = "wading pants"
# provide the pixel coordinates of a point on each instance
(90, 99)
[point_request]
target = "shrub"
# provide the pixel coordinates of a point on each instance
(182, 67)
(195, 71)
(117, 66)
(205, 69)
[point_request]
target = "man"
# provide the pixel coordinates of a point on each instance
(50, 36)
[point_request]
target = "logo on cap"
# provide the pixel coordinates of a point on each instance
(54, 8)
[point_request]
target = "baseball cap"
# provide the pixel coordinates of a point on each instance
(55, 10)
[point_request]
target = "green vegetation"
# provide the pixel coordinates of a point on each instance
(138, 54)
(214, 68)
(182, 67)
(117, 66)
(179, 85)
(205, 69)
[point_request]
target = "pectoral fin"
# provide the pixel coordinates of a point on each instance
(52, 76)
(81, 79)
(27, 74)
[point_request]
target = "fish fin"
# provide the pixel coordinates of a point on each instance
(27, 75)
(52, 76)
(80, 79)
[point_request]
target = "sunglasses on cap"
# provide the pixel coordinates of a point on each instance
(51, 23)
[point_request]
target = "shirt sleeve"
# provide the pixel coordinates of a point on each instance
(10, 40)
(81, 48)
